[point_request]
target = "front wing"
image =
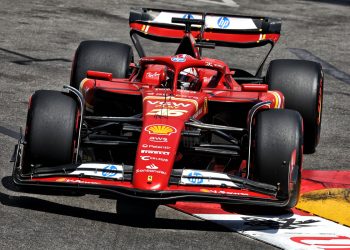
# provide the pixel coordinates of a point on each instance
(115, 181)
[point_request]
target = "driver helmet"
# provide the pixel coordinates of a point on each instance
(188, 80)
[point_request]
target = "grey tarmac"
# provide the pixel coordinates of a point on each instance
(37, 43)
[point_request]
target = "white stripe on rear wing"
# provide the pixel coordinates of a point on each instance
(211, 21)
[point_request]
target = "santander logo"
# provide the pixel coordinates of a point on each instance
(152, 166)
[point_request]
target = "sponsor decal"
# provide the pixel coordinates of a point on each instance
(152, 158)
(160, 129)
(169, 105)
(222, 192)
(155, 146)
(167, 112)
(159, 147)
(223, 22)
(150, 171)
(109, 171)
(209, 178)
(152, 75)
(152, 166)
(188, 16)
(155, 152)
(75, 181)
(165, 17)
(234, 23)
(178, 59)
(173, 99)
(99, 170)
(158, 139)
(199, 112)
(196, 179)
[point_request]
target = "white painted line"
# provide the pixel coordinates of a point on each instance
(286, 231)
(230, 3)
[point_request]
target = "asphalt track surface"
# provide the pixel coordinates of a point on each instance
(37, 43)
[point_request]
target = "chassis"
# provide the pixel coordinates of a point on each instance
(130, 132)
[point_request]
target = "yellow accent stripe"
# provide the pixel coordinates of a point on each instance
(171, 99)
(332, 204)
(146, 30)
(261, 37)
(82, 83)
(88, 106)
(277, 99)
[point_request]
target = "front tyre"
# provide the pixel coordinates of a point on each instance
(278, 139)
(51, 129)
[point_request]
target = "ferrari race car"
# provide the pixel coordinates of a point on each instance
(181, 127)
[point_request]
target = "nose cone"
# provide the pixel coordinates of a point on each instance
(163, 122)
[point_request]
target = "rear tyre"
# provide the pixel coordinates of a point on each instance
(301, 82)
(50, 130)
(278, 132)
(112, 57)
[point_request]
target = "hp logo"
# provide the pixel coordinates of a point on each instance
(223, 22)
(195, 180)
(188, 16)
(109, 171)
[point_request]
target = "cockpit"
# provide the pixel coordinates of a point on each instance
(191, 78)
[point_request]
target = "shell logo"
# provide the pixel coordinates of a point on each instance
(61, 180)
(160, 129)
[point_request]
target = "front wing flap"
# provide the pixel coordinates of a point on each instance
(184, 185)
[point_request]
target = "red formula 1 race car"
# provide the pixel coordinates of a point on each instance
(181, 127)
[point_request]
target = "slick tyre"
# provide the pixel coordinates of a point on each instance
(301, 82)
(278, 137)
(51, 129)
(112, 57)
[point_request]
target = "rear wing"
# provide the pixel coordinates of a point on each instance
(221, 29)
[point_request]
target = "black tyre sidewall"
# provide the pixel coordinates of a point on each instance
(50, 130)
(277, 133)
(301, 82)
(104, 56)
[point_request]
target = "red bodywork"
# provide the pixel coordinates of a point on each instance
(167, 108)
